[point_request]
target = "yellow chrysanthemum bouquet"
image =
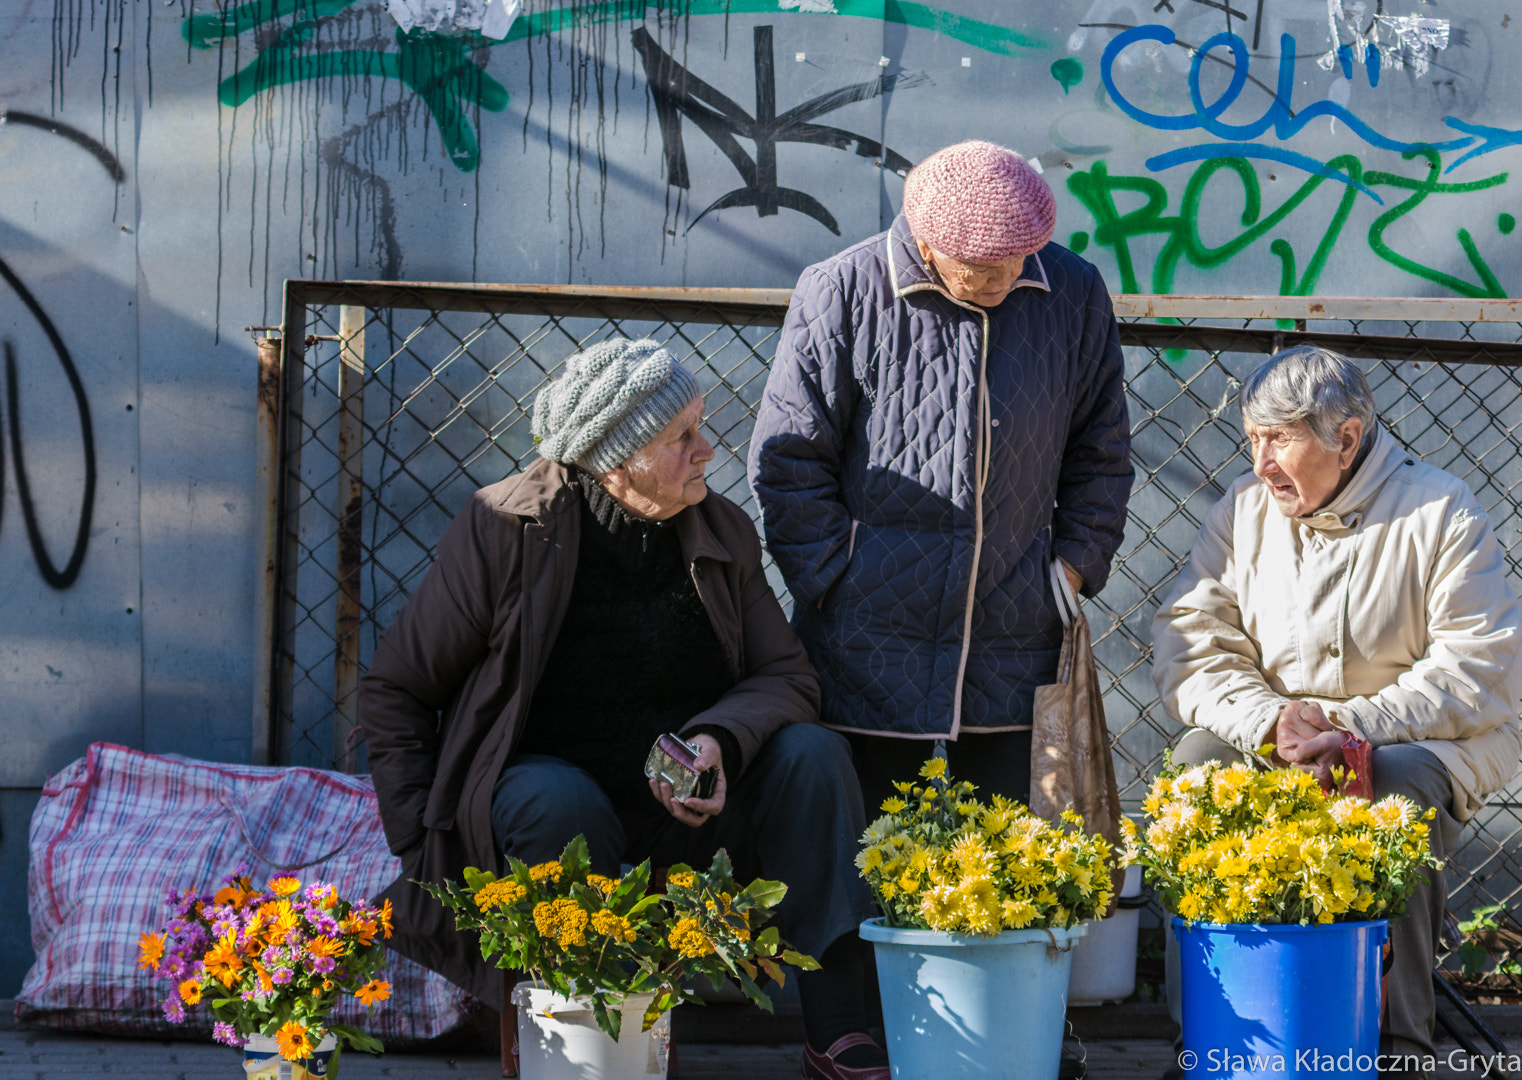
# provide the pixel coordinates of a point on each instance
(581, 933)
(271, 961)
(939, 859)
(1234, 844)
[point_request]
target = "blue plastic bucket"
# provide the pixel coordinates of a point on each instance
(1274, 1000)
(985, 1007)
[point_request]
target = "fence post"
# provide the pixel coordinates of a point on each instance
(267, 498)
(349, 511)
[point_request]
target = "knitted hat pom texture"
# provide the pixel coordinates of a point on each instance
(611, 399)
(979, 202)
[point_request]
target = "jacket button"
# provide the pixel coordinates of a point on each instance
(1334, 650)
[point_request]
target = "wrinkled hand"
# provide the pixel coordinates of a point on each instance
(1305, 738)
(695, 811)
(1075, 580)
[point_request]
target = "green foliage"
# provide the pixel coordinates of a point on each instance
(582, 934)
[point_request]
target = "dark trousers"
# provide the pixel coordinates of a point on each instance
(1399, 769)
(999, 763)
(794, 815)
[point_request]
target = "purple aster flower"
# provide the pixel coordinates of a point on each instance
(174, 1011)
(323, 964)
(280, 976)
(226, 1033)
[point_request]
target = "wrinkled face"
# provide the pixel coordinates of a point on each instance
(1301, 474)
(984, 284)
(665, 476)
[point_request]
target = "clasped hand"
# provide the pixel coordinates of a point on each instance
(1305, 738)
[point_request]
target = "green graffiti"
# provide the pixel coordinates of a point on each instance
(1116, 229)
(206, 30)
(439, 68)
(1068, 73)
(1506, 223)
(990, 37)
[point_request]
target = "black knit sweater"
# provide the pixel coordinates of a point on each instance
(635, 657)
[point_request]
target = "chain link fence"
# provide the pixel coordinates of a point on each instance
(387, 405)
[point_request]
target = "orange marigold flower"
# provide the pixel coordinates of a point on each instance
(150, 950)
(237, 894)
(362, 929)
(223, 962)
(293, 1041)
(325, 946)
(190, 990)
(284, 886)
(285, 921)
(373, 991)
(266, 984)
(385, 918)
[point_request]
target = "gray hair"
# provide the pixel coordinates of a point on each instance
(1310, 385)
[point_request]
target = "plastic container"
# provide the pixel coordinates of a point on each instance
(262, 1060)
(558, 1038)
(1104, 963)
(985, 1007)
(1265, 1001)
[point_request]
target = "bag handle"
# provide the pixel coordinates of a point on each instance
(1067, 603)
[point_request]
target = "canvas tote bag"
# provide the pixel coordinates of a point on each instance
(1071, 766)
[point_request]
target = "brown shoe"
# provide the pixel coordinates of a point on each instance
(817, 1066)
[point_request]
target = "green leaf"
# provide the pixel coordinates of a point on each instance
(357, 1039)
(768, 940)
(476, 879)
(801, 961)
(721, 867)
(610, 1020)
(762, 894)
(574, 860)
(663, 1003)
(771, 968)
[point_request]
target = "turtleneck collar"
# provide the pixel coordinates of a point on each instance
(630, 535)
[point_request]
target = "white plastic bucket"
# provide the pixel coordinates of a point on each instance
(558, 1039)
(262, 1060)
(959, 1007)
(1104, 963)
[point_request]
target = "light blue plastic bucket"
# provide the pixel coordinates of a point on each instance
(1268, 1001)
(985, 1007)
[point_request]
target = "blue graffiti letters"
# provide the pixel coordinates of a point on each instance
(1280, 117)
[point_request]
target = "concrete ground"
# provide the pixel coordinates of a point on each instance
(1130, 1042)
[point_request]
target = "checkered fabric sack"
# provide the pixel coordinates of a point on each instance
(118, 829)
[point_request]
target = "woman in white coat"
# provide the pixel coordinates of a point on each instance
(1345, 586)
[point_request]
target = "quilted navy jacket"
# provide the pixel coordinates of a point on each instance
(912, 515)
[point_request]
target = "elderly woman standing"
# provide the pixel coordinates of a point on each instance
(945, 416)
(1345, 586)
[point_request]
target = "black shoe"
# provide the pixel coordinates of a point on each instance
(1074, 1066)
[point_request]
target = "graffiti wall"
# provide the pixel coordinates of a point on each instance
(166, 164)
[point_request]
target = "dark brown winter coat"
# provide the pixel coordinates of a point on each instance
(450, 683)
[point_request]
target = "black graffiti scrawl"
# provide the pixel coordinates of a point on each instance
(10, 430)
(678, 93)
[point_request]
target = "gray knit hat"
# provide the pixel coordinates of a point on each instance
(611, 400)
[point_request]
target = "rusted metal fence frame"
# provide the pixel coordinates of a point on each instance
(1215, 325)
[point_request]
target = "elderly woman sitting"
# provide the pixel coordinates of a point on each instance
(1345, 586)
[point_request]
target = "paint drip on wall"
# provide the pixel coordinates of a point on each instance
(489, 18)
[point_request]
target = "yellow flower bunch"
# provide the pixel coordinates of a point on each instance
(940, 859)
(582, 933)
(1235, 844)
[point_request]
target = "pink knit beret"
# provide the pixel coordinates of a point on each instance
(978, 202)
